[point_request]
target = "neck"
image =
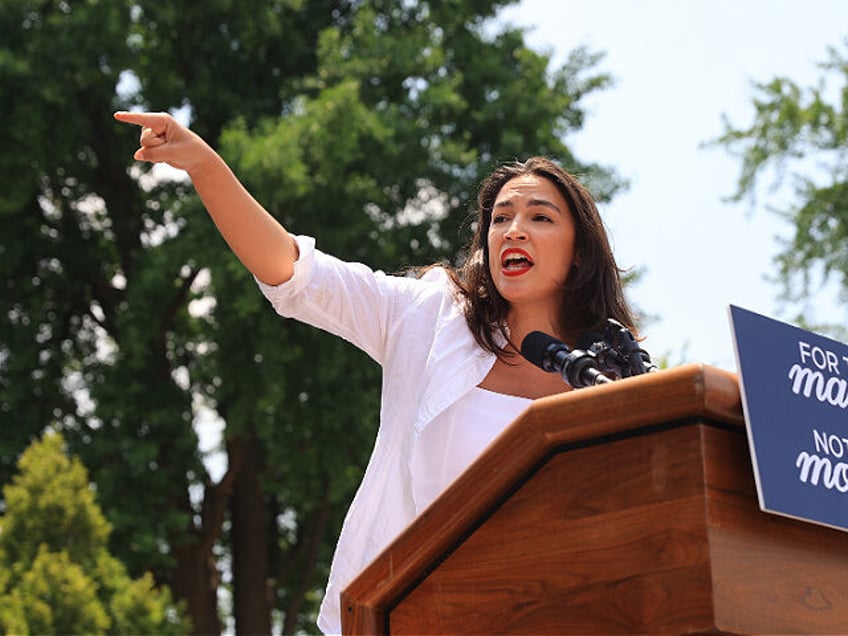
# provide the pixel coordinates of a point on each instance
(522, 323)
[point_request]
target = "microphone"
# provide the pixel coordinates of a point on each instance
(579, 368)
(617, 351)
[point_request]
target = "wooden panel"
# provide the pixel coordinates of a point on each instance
(569, 524)
(635, 505)
(572, 418)
(590, 515)
(649, 535)
(771, 574)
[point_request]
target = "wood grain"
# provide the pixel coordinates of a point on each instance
(628, 508)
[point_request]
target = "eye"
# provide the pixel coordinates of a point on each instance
(499, 218)
(543, 217)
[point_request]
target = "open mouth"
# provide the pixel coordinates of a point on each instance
(515, 262)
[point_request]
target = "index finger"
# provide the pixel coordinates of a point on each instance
(155, 121)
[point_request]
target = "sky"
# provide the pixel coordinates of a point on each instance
(679, 66)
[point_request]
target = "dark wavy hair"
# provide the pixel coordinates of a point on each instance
(593, 286)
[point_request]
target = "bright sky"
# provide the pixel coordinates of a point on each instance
(680, 65)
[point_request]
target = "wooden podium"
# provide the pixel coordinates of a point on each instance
(628, 508)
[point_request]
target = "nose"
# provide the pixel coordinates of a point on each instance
(515, 231)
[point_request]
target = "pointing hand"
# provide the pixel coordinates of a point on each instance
(164, 140)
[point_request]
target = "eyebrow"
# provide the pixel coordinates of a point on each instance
(535, 201)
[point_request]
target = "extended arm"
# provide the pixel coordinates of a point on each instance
(260, 242)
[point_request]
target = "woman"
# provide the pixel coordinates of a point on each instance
(447, 340)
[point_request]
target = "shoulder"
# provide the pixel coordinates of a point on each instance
(435, 282)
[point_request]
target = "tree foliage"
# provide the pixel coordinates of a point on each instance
(125, 319)
(56, 573)
(800, 135)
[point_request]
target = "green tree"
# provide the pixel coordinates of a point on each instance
(56, 573)
(798, 136)
(125, 318)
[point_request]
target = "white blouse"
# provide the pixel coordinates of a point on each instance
(416, 330)
(455, 438)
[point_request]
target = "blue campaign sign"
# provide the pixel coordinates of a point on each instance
(794, 386)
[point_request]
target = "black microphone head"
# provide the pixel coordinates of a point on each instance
(536, 348)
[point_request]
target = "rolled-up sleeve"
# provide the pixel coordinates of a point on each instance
(280, 295)
(349, 300)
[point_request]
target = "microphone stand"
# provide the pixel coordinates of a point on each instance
(597, 357)
(581, 370)
(617, 351)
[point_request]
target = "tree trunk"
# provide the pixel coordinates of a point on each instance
(305, 559)
(251, 606)
(196, 582)
(196, 577)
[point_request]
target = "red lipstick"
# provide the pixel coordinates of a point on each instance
(515, 262)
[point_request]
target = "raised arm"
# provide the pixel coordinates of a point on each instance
(257, 238)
